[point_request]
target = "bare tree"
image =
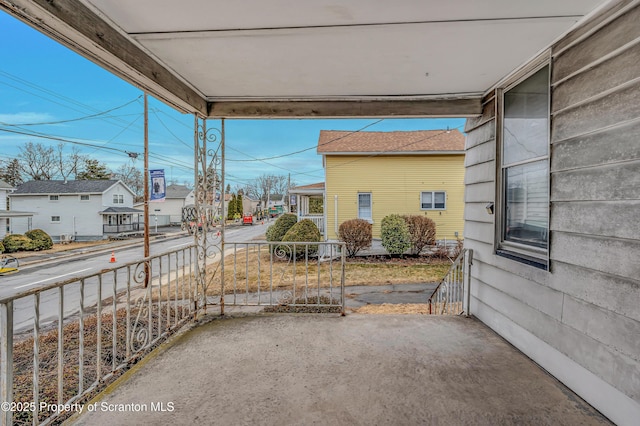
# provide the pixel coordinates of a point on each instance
(132, 177)
(266, 185)
(69, 164)
(37, 162)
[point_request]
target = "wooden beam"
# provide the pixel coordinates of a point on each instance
(467, 107)
(74, 25)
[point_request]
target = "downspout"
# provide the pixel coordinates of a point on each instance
(335, 214)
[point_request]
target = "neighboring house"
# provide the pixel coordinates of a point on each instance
(370, 175)
(169, 211)
(7, 214)
(249, 205)
(303, 196)
(79, 209)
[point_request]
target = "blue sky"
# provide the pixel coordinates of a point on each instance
(46, 89)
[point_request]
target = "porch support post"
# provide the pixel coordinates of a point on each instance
(468, 261)
(208, 151)
(222, 234)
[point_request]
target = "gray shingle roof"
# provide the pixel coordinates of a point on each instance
(121, 210)
(62, 187)
(420, 141)
(177, 191)
(5, 185)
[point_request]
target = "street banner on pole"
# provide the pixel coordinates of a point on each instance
(158, 186)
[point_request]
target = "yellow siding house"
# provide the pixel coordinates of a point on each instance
(370, 175)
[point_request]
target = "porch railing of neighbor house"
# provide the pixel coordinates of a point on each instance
(60, 341)
(452, 295)
(309, 275)
(318, 220)
(125, 227)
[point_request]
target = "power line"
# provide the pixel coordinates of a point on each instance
(72, 119)
(314, 146)
(60, 139)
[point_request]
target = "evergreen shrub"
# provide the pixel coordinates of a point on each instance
(396, 239)
(41, 240)
(303, 231)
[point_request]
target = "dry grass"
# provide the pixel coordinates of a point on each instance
(409, 308)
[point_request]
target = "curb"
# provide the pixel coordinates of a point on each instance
(104, 248)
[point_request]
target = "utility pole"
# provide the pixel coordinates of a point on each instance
(146, 189)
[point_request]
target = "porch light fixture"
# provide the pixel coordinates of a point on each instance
(489, 207)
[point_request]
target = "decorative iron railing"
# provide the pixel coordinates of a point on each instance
(296, 276)
(60, 341)
(452, 295)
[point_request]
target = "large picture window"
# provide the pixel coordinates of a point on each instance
(525, 166)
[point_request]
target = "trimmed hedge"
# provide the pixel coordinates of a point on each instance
(356, 234)
(395, 235)
(33, 240)
(41, 240)
(1, 247)
(277, 231)
(17, 242)
(303, 231)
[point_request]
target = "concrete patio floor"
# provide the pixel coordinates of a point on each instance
(301, 369)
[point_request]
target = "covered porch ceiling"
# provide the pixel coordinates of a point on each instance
(311, 58)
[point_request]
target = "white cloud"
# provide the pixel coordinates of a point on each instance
(26, 117)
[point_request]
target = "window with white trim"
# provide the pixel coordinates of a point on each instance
(84, 197)
(433, 200)
(364, 206)
(118, 199)
(55, 219)
(54, 197)
(524, 178)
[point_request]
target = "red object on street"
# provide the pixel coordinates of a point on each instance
(113, 257)
(247, 219)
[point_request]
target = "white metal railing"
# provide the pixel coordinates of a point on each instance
(318, 220)
(452, 295)
(60, 341)
(301, 274)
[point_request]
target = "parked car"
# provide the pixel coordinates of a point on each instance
(247, 219)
